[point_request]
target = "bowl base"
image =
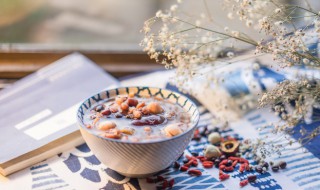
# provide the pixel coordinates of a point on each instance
(137, 175)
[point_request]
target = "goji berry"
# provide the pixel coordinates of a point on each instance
(223, 162)
(203, 159)
(190, 157)
(171, 183)
(228, 169)
(184, 168)
(207, 165)
(222, 167)
(196, 132)
(189, 163)
(164, 184)
(244, 183)
(234, 163)
(233, 158)
(223, 177)
(242, 160)
(195, 172)
(207, 162)
(195, 163)
(246, 166)
(242, 168)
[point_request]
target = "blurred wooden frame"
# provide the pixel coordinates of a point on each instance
(19, 60)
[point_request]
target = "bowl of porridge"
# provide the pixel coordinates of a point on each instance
(137, 131)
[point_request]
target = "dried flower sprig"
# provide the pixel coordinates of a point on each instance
(189, 42)
(302, 95)
(185, 43)
(294, 102)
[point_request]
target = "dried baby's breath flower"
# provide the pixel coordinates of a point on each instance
(294, 102)
(288, 44)
(186, 42)
(191, 42)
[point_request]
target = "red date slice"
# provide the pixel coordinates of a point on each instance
(132, 102)
(150, 120)
(106, 112)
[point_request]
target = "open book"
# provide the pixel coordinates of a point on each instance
(38, 113)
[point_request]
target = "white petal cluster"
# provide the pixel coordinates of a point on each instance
(193, 42)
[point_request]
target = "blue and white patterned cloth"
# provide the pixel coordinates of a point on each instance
(79, 169)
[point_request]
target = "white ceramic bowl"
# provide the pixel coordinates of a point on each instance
(138, 159)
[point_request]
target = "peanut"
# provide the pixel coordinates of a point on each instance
(120, 99)
(140, 105)
(131, 94)
(113, 134)
(147, 129)
(131, 110)
(168, 135)
(127, 131)
(145, 111)
(124, 106)
(104, 126)
(172, 130)
(154, 108)
(137, 114)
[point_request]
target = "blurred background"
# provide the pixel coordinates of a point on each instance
(38, 32)
(75, 21)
